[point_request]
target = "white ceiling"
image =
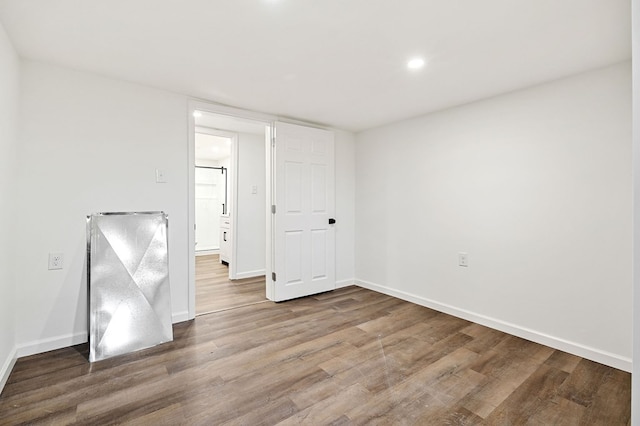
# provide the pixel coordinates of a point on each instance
(332, 62)
(211, 147)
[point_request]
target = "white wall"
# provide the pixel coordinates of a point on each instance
(212, 163)
(91, 144)
(251, 225)
(345, 151)
(535, 186)
(9, 87)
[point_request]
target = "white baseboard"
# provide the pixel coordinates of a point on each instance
(207, 252)
(249, 274)
(53, 343)
(345, 283)
(593, 354)
(7, 366)
(50, 344)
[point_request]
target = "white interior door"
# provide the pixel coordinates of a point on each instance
(304, 189)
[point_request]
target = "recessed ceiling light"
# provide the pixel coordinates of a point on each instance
(197, 114)
(415, 63)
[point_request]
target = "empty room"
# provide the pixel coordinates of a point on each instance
(409, 212)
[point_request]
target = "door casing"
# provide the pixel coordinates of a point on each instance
(195, 105)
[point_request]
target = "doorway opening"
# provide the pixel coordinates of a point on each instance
(229, 202)
(212, 160)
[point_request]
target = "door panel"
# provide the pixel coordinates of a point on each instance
(293, 247)
(293, 180)
(318, 188)
(304, 249)
(318, 250)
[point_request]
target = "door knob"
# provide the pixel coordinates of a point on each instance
(332, 221)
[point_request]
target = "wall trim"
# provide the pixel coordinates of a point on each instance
(65, 341)
(345, 283)
(7, 367)
(51, 344)
(207, 252)
(593, 354)
(250, 274)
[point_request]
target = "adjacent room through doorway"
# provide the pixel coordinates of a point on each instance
(230, 212)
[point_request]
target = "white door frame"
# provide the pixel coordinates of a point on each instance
(196, 105)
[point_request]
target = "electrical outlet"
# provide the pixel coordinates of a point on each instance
(56, 260)
(463, 259)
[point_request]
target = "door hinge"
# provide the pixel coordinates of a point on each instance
(273, 209)
(273, 276)
(273, 141)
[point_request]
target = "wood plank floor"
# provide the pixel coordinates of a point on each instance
(351, 356)
(215, 292)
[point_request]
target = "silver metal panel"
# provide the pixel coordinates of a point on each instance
(129, 294)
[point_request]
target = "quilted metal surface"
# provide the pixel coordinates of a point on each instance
(129, 294)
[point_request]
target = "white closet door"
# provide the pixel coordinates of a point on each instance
(304, 249)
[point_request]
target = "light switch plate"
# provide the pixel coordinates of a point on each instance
(160, 177)
(463, 259)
